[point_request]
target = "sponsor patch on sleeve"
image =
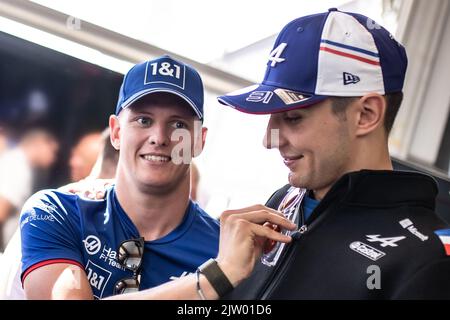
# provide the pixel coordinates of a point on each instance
(444, 236)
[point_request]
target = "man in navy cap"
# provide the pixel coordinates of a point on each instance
(332, 87)
(146, 231)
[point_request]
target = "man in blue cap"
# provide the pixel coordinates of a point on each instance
(332, 87)
(146, 231)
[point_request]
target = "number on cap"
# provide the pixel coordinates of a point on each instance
(276, 53)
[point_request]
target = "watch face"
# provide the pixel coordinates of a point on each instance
(218, 280)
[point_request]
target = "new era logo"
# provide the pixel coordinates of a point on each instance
(350, 78)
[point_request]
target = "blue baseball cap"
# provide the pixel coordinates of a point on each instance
(162, 74)
(331, 54)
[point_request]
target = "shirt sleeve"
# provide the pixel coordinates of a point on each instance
(50, 231)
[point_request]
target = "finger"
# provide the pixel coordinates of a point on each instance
(270, 234)
(99, 195)
(88, 194)
(261, 217)
(71, 188)
(267, 244)
(108, 182)
(256, 207)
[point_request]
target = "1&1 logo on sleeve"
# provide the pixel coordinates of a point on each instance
(98, 278)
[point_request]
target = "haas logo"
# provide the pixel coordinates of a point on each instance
(92, 244)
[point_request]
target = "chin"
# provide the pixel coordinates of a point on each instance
(156, 182)
(298, 181)
(292, 180)
(156, 186)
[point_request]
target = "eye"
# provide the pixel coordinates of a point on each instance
(144, 121)
(292, 119)
(179, 125)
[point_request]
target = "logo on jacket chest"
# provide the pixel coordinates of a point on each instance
(366, 250)
(371, 252)
(408, 225)
(384, 242)
(98, 278)
(104, 253)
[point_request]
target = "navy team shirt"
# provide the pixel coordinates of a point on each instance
(59, 227)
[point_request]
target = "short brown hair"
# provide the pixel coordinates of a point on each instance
(393, 101)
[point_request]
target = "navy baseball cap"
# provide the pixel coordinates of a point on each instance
(331, 54)
(162, 74)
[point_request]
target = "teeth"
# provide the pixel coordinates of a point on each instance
(156, 158)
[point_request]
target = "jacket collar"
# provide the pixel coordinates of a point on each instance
(383, 188)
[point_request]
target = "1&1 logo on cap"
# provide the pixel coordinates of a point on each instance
(165, 70)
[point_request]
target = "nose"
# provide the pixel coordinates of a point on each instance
(272, 135)
(159, 136)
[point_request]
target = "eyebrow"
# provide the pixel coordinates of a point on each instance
(173, 116)
(295, 111)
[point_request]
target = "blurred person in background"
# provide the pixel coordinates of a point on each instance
(106, 163)
(84, 155)
(37, 149)
(195, 180)
(3, 140)
(102, 172)
(200, 194)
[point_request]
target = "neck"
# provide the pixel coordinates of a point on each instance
(371, 155)
(154, 214)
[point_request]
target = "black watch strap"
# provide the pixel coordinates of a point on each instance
(218, 280)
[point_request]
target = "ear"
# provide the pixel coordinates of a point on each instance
(200, 140)
(204, 133)
(114, 131)
(371, 112)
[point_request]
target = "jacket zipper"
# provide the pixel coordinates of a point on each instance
(279, 273)
(284, 263)
(287, 257)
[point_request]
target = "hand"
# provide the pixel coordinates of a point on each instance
(89, 188)
(243, 235)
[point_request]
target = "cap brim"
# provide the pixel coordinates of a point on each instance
(265, 99)
(144, 93)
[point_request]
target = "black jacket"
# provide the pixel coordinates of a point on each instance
(356, 248)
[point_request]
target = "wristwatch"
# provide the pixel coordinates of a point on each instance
(218, 280)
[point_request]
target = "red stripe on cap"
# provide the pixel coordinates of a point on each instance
(351, 56)
(48, 262)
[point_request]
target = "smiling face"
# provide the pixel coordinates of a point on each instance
(148, 137)
(315, 146)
